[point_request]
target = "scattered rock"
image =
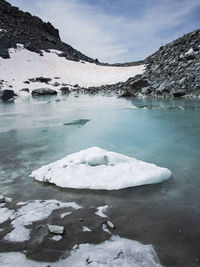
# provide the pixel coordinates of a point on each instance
(6, 94)
(43, 91)
(65, 90)
(56, 84)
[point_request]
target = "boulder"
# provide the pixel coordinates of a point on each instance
(6, 94)
(43, 91)
(65, 90)
(138, 84)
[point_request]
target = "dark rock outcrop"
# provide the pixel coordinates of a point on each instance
(22, 28)
(65, 90)
(43, 91)
(6, 94)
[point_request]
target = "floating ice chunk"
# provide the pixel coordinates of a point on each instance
(104, 228)
(114, 252)
(86, 229)
(33, 211)
(56, 238)
(55, 229)
(100, 211)
(65, 214)
(96, 168)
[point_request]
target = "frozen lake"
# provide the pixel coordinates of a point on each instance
(37, 131)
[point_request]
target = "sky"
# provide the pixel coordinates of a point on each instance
(117, 30)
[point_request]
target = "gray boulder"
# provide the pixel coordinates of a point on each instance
(6, 94)
(43, 91)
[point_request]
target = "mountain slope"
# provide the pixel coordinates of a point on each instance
(18, 27)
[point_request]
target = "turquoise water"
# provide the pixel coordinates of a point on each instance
(37, 131)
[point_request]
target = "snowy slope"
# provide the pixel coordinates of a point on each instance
(96, 168)
(24, 64)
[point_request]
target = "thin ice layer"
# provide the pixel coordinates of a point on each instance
(114, 252)
(96, 168)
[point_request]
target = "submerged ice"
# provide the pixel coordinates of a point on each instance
(96, 168)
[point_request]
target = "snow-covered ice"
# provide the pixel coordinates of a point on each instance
(24, 64)
(96, 168)
(30, 212)
(100, 211)
(114, 252)
(6, 214)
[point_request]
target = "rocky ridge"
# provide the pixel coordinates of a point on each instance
(173, 71)
(18, 27)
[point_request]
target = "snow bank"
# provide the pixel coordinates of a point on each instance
(32, 211)
(24, 64)
(96, 168)
(114, 252)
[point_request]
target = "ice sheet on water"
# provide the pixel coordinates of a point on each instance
(114, 252)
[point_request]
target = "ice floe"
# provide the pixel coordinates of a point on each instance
(86, 229)
(114, 252)
(96, 168)
(101, 210)
(31, 211)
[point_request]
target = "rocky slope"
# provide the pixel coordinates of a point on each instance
(173, 71)
(18, 27)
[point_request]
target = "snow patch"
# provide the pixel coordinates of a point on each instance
(33, 211)
(51, 65)
(189, 51)
(96, 168)
(114, 252)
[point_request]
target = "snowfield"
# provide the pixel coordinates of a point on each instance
(96, 168)
(114, 252)
(24, 64)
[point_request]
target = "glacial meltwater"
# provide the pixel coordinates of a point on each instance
(37, 131)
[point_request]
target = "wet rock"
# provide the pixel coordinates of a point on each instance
(6, 94)
(43, 91)
(65, 90)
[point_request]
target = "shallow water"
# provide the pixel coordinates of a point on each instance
(37, 131)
